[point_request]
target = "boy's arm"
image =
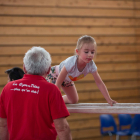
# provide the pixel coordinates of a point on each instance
(102, 88)
(61, 77)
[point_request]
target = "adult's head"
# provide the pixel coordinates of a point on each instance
(37, 61)
(14, 73)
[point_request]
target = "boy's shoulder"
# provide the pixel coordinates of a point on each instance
(71, 58)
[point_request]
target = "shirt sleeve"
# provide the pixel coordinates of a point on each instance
(93, 67)
(57, 106)
(70, 63)
(2, 110)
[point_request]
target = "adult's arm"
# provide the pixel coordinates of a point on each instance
(3, 129)
(62, 129)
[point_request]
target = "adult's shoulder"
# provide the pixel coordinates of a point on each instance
(9, 84)
(7, 87)
(52, 87)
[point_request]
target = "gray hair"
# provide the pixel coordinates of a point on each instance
(37, 61)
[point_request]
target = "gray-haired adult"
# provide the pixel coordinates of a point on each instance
(32, 108)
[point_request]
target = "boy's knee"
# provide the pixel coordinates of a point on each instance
(74, 101)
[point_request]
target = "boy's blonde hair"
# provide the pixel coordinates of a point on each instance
(86, 40)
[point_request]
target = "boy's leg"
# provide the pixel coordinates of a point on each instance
(71, 96)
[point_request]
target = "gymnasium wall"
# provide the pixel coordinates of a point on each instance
(56, 26)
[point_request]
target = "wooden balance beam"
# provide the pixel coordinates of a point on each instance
(104, 108)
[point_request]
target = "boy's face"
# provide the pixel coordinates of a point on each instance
(87, 52)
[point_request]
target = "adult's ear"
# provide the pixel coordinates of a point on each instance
(49, 70)
(24, 69)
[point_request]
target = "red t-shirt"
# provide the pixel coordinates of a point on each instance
(30, 106)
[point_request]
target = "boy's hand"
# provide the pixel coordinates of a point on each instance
(111, 102)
